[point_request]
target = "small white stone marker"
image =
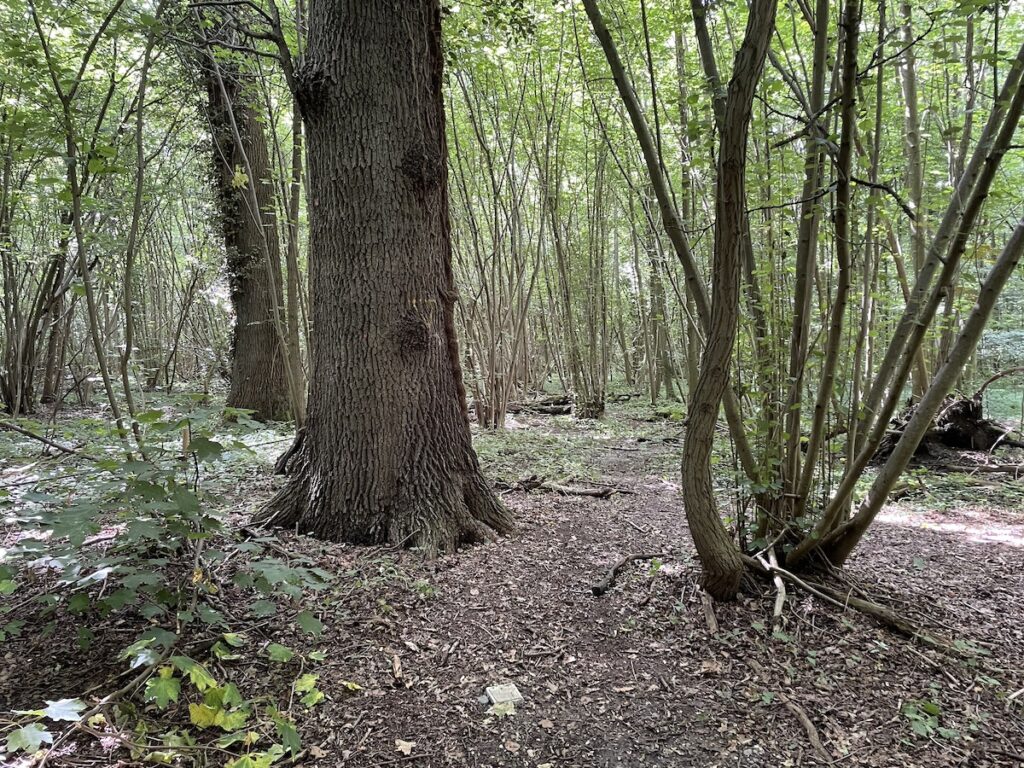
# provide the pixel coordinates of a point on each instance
(504, 693)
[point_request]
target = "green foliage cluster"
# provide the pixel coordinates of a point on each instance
(141, 535)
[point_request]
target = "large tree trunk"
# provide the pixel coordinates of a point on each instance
(386, 455)
(259, 376)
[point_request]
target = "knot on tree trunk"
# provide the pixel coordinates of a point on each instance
(423, 166)
(311, 88)
(412, 333)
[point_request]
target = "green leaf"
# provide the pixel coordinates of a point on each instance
(309, 623)
(196, 672)
(234, 639)
(78, 603)
(930, 707)
(140, 653)
(289, 736)
(313, 698)
(232, 721)
(202, 715)
(28, 739)
(279, 653)
(920, 727)
(306, 683)
(206, 449)
(164, 688)
(263, 608)
(222, 652)
(68, 710)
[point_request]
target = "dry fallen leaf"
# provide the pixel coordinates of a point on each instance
(546, 724)
(504, 709)
(405, 747)
(710, 667)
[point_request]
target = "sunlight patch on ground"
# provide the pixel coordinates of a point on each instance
(982, 526)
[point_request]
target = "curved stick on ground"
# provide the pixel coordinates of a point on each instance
(608, 581)
(805, 721)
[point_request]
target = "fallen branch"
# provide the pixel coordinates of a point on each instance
(597, 493)
(1004, 753)
(780, 589)
(1017, 470)
(709, 612)
(534, 483)
(608, 581)
(992, 379)
(799, 712)
(558, 405)
(45, 440)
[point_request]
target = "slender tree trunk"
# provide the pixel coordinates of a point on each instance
(386, 455)
(844, 164)
(293, 292)
(719, 555)
(670, 219)
(915, 171)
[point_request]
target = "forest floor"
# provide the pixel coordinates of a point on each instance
(644, 675)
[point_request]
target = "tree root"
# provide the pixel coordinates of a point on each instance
(283, 465)
(845, 600)
(960, 425)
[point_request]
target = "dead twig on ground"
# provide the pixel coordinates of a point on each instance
(608, 581)
(808, 726)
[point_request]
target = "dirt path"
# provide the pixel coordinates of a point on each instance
(637, 677)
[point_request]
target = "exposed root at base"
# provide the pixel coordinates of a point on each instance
(439, 523)
(845, 600)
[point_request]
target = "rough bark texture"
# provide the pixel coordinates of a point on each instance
(258, 374)
(386, 455)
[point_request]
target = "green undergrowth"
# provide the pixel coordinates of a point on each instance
(928, 489)
(565, 449)
(143, 535)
